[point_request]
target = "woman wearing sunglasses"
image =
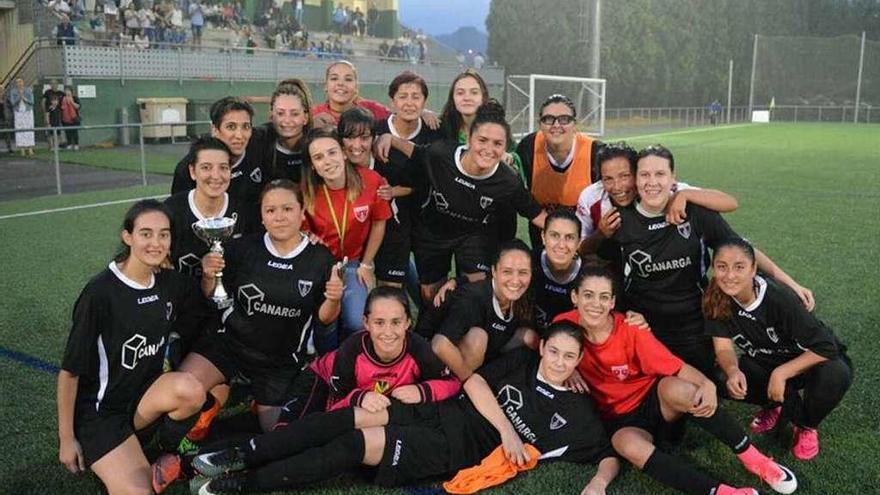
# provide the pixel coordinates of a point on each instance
(558, 161)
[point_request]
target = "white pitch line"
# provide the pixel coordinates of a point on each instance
(79, 207)
(688, 131)
(107, 203)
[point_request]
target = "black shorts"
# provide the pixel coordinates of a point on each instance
(100, 432)
(416, 446)
(392, 259)
(309, 395)
(646, 416)
(272, 379)
(434, 256)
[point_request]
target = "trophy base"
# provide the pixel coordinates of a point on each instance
(222, 302)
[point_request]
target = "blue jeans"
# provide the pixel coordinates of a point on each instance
(351, 316)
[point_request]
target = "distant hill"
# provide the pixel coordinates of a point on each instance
(465, 38)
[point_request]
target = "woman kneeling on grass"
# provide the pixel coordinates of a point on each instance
(639, 387)
(407, 443)
(786, 350)
(111, 386)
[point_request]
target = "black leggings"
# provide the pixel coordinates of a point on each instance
(71, 134)
(823, 388)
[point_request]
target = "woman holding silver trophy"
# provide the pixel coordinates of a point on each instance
(111, 387)
(281, 285)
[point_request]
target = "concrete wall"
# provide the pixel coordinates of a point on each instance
(15, 37)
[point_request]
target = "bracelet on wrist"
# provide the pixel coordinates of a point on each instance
(368, 266)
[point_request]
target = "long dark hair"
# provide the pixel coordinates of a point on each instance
(136, 210)
(716, 304)
(450, 117)
(566, 327)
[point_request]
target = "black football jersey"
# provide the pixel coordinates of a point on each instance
(664, 265)
(474, 305)
(247, 178)
(457, 203)
(282, 163)
(187, 249)
(276, 298)
(120, 330)
(552, 296)
(776, 327)
(561, 424)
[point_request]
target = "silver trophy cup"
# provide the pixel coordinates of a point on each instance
(214, 231)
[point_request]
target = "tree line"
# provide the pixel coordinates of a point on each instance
(664, 52)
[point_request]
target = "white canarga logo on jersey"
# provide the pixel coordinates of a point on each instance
(252, 298)
(510, 399)
(190, 264)
(136, 348)
(645, 265)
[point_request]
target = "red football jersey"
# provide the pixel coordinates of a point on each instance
(366, 209)
(622, 370)
(379, 111)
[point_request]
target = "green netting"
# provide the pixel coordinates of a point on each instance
(815, 71)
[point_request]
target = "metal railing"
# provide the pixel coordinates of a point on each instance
(56, 133)
(105, 59)
(695, 116)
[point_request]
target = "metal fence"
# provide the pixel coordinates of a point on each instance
(165, 61)
(114, 164)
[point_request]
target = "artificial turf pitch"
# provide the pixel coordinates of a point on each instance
(808, 196)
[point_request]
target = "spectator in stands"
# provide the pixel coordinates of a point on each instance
(77, 10)
(70, 117)
(141, 41)
(146, 19)
(21, 100)
(358, 23)
(65, 32)
(340, 18)
(52, 109)
(59, 8)
(175, 21)
(132, 24)
(298, 12)
(111, 14)
(423, 51)
(372, 18)
(5, 119)
(197, 20)
(384, 48)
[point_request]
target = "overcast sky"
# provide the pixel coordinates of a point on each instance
(444, 16)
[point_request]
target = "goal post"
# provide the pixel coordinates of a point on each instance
(525, 93)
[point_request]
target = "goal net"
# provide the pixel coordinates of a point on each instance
(812, 71)
(524, 95)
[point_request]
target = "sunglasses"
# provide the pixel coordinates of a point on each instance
(552, 119)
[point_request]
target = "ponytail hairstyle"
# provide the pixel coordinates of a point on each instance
(388, 292)
(295, 87)
(491, 112)
(353, 70)
(716, 304)
(131, 216)
(522, 308)
(563, 214)
(354, 185)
